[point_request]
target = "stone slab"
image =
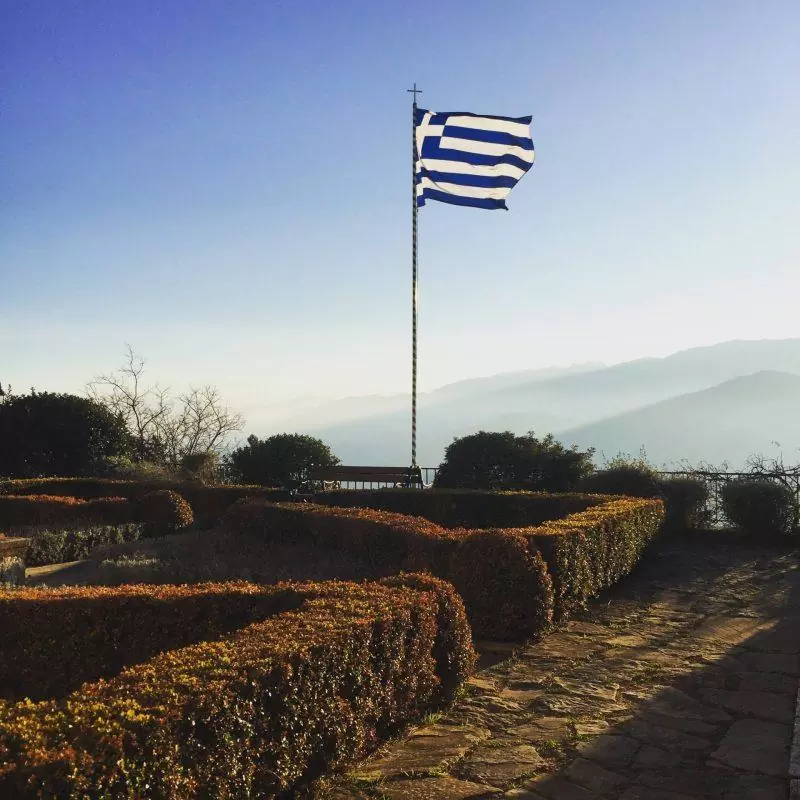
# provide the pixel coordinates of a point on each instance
(753, 745)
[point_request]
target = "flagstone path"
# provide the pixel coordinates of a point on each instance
(680, 683)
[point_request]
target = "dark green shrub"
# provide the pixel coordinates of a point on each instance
(760, 507)
(57, 434)
(163, 512)
(504, 461)
(631, 480)
(283, 460)
(685, 501)
(57, 545)
(200, 467)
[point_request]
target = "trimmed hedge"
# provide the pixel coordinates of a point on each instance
(164, 511)
(507, 596)
(259, 713)
(208, 503)
(56, 639)
(37, 509)
(513, 579)
(465, 508)
(591, 550)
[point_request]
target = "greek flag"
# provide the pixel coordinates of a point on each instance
(470, 160)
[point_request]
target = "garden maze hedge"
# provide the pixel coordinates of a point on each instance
(518, 569)
(280, 685)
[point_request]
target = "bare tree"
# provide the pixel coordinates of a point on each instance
(164, 429)
(200, 423)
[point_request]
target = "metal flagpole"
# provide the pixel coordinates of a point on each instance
(415, 92)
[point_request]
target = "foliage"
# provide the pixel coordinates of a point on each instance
(591, 550)
(208, 502)
(259, 712)
(505, 461)
(12, 570)
(284, 459)
(202, 467)
(56, 545)
(685, 501)
(163, 512)
(57, 434)
(760, 506)
(623, 475)
(164, 429)
(391, 543)
(22, 510)
(506, 576)
(126, 468)
(465, 508)
(116, 628)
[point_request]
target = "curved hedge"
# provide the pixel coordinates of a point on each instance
(35, 510)
(513, 579)
(208, 503)
(466, 508)
(507, 591)
(258, 713)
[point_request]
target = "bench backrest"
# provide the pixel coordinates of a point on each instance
(367, 474)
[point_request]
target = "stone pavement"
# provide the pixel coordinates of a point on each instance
(679, 683)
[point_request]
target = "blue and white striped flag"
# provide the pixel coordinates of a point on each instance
(470, 160)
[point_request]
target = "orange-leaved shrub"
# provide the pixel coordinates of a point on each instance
(35, 510)
(208, 503)
(591, 550)
(163, 512)
(260, 712)
(505, 587)
(466, 508)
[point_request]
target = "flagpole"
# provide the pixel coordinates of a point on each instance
(414, 276)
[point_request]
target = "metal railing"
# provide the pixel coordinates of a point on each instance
(428, 476)
(716, 481)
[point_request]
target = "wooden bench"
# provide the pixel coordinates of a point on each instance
(392, 476)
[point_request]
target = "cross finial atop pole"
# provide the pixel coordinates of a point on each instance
(415, 92)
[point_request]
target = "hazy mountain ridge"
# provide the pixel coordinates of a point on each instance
(604, 407)
(727, 422)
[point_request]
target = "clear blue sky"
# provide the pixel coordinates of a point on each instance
(226, 186)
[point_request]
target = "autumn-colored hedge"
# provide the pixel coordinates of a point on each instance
(164, 511)
(504, 584)
(465, 508)
(37, 509)
(208, 502)
(591, 550)
(56, 639)
(257, 713)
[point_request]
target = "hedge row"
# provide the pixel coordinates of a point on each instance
(258, 713)
(55, 640)
(507, 576)
(162, 511)
(466, 508)
(505, 586)
(591, 550)
(208, 502)
(38, 509)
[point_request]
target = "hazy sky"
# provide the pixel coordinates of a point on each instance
(226, 186)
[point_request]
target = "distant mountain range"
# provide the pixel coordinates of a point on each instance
(717, 403)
